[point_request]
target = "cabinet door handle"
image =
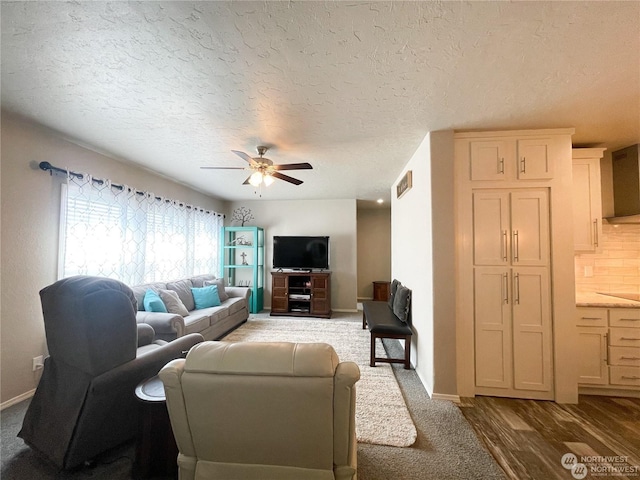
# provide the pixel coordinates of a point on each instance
(504, 245)
(523, 165)
(606, 348)
(501, 165)
(516, 289)
(629, 319)
(516, 246)
(591, 318)
(595, 233)
(505, 286)
(629, 358)
(632, 377)
(629, 338)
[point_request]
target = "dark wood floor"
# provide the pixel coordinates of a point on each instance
(528, 438)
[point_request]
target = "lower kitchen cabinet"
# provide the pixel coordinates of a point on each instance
(609, 350)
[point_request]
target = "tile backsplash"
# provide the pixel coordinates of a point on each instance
(616, 268)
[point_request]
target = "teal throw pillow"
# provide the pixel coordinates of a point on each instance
(153, 303)
(206, 297)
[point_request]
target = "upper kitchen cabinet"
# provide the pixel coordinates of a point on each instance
(587, 199)
(520, 155)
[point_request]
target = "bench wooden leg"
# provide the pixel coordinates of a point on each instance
(372, 350)
(406, 361)
(407, 352)
(364, 321)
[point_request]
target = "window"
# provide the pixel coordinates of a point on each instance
(115, 231)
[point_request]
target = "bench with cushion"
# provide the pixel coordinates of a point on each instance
(390, 319)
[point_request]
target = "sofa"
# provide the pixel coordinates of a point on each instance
(211, 322)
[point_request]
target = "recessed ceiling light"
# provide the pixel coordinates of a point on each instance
(380, 200)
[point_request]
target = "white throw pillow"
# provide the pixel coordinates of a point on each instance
(220, 284)
(173, 303)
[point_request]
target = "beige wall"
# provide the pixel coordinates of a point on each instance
(29, 244)
(374, 249)
(411, 249)
(423, 258)
(335, 218)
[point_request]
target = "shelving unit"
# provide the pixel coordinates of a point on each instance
(242, 262)
(303, 294)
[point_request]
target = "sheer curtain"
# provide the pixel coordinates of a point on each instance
(115, 231)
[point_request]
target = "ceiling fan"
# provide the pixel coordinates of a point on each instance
(264, 171)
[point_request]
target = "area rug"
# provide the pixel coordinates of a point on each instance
(382, 417)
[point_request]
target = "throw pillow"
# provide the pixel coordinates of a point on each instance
(173, 303)
(402, 303)
(183, 289)
(205, 297)
(219, 282)
(153, 302)
(392, 292)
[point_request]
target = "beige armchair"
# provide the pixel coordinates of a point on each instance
(281, 411)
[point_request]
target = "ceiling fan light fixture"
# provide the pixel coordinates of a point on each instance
(268, 180)
(255, 179)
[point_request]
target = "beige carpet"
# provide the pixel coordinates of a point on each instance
(381, 413)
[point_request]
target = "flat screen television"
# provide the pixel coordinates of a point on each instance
(301, 253)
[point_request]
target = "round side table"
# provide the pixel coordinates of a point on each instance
(156, 453)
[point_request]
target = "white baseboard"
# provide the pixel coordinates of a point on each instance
(446, 396)
(425, 384)
(17, 399)
(344, 310)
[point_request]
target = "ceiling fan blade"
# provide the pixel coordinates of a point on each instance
(246, 182)
(223, 168)
(286, 178)
(244, 156)
(293, 166)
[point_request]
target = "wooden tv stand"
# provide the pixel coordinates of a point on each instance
(301, 294)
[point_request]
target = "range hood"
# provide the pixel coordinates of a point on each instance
(626, 185)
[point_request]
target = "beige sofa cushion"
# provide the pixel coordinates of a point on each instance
(196, 322)
(235, 304)
(215, 313)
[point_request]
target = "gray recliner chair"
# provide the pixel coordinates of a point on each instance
(85, 402)
(263, 411)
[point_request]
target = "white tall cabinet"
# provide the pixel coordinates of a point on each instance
(587, 199)
(511, 285)
(506, 309)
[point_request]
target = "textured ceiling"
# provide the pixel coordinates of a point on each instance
(351, 87)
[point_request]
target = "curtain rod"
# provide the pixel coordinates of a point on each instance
(46, 166)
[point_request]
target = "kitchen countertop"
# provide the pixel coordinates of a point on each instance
(592, 299)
